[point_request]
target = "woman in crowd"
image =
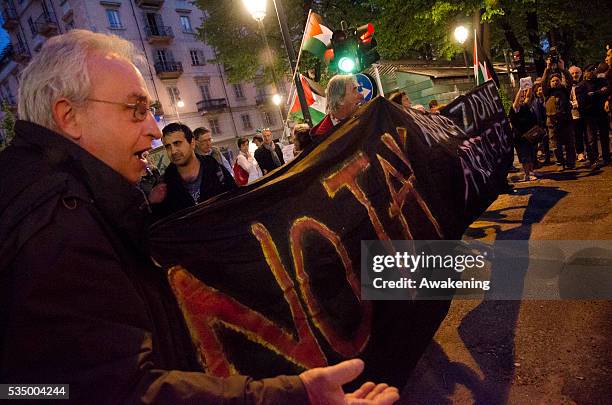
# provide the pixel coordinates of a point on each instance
(246, 162)
(301, 138)
(523, 119)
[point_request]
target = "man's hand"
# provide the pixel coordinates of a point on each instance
(158, 193)
(324, 386)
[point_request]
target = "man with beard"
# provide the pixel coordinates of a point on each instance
(190, 178)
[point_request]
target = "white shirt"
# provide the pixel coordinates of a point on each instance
(250, 165)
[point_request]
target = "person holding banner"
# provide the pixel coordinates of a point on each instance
(343, 99)
(81, 302)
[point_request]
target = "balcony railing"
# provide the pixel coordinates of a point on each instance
(212, 104)
(46, 25)
(150, 3)
(158, 34)
(10, 19)
(168, 69)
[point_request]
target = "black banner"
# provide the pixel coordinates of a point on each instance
(268, 276)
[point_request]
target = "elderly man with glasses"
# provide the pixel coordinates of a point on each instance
(81, 303)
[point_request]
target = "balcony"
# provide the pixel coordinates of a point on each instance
(10, 19)
(150, 3)
(45, 25)
(211, 105)
(160, 35)
(21, 53)
(263, 99)
(168, 70)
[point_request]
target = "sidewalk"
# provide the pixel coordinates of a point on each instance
(528, 352)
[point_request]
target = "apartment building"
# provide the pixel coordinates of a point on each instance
(180, 73)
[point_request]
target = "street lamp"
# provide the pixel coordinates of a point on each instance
(461, 35)
(257, 8)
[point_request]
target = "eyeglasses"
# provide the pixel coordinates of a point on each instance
(140, 107)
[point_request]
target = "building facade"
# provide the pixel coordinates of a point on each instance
(180, 72)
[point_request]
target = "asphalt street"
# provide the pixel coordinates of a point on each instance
(530, 351)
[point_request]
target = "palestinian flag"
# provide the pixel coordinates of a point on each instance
(317, 37)
(483, 68)
(316, 103)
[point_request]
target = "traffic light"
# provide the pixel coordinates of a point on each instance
(365, 46)
(345, 57)
(353, 49)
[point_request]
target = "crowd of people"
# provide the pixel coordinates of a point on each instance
(81, 302)
(563, 117)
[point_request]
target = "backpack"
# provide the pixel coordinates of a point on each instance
(240, 175)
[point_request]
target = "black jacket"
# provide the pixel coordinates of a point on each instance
(592, 95)
(264, 158)
(80, 301)
(215, 180)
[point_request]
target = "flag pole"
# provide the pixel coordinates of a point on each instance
(280, 13)
(295, 71)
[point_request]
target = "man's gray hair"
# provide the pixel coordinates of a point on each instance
(336, 90)
(60, 70)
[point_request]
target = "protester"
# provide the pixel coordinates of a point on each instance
(204, 146)
(258, 140)
(246, 163)
(577, 120)
(592, 94)
(401, 98)
(524, 119)
(539, 109)
(301, 138)
(269, 155)
(81, 302)
(190, 178)
(434, 106)
(559, 113)
(343, 99)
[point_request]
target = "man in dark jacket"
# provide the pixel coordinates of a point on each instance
(80, 301)
(190, 178)
(557, 87)
(269, 155)
(592, 94)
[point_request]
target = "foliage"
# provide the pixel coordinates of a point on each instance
(7, 125)
(411, 28)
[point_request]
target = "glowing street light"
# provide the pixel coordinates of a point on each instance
(180, 103)
(461, 34)
(276, 99)
(257, 8)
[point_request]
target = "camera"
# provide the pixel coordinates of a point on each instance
(553, 55)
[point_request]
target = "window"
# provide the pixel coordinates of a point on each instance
(114, 21)
(246, 121)
(238, 90)
(69, 25)
(32, 26)
(205, 92)
(268, 119)
(173, 94)
(197, 57)
(186, 24)
(213, 124)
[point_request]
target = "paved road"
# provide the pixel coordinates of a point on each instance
(528, 352)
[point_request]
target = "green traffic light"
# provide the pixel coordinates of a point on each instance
(346, 64)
